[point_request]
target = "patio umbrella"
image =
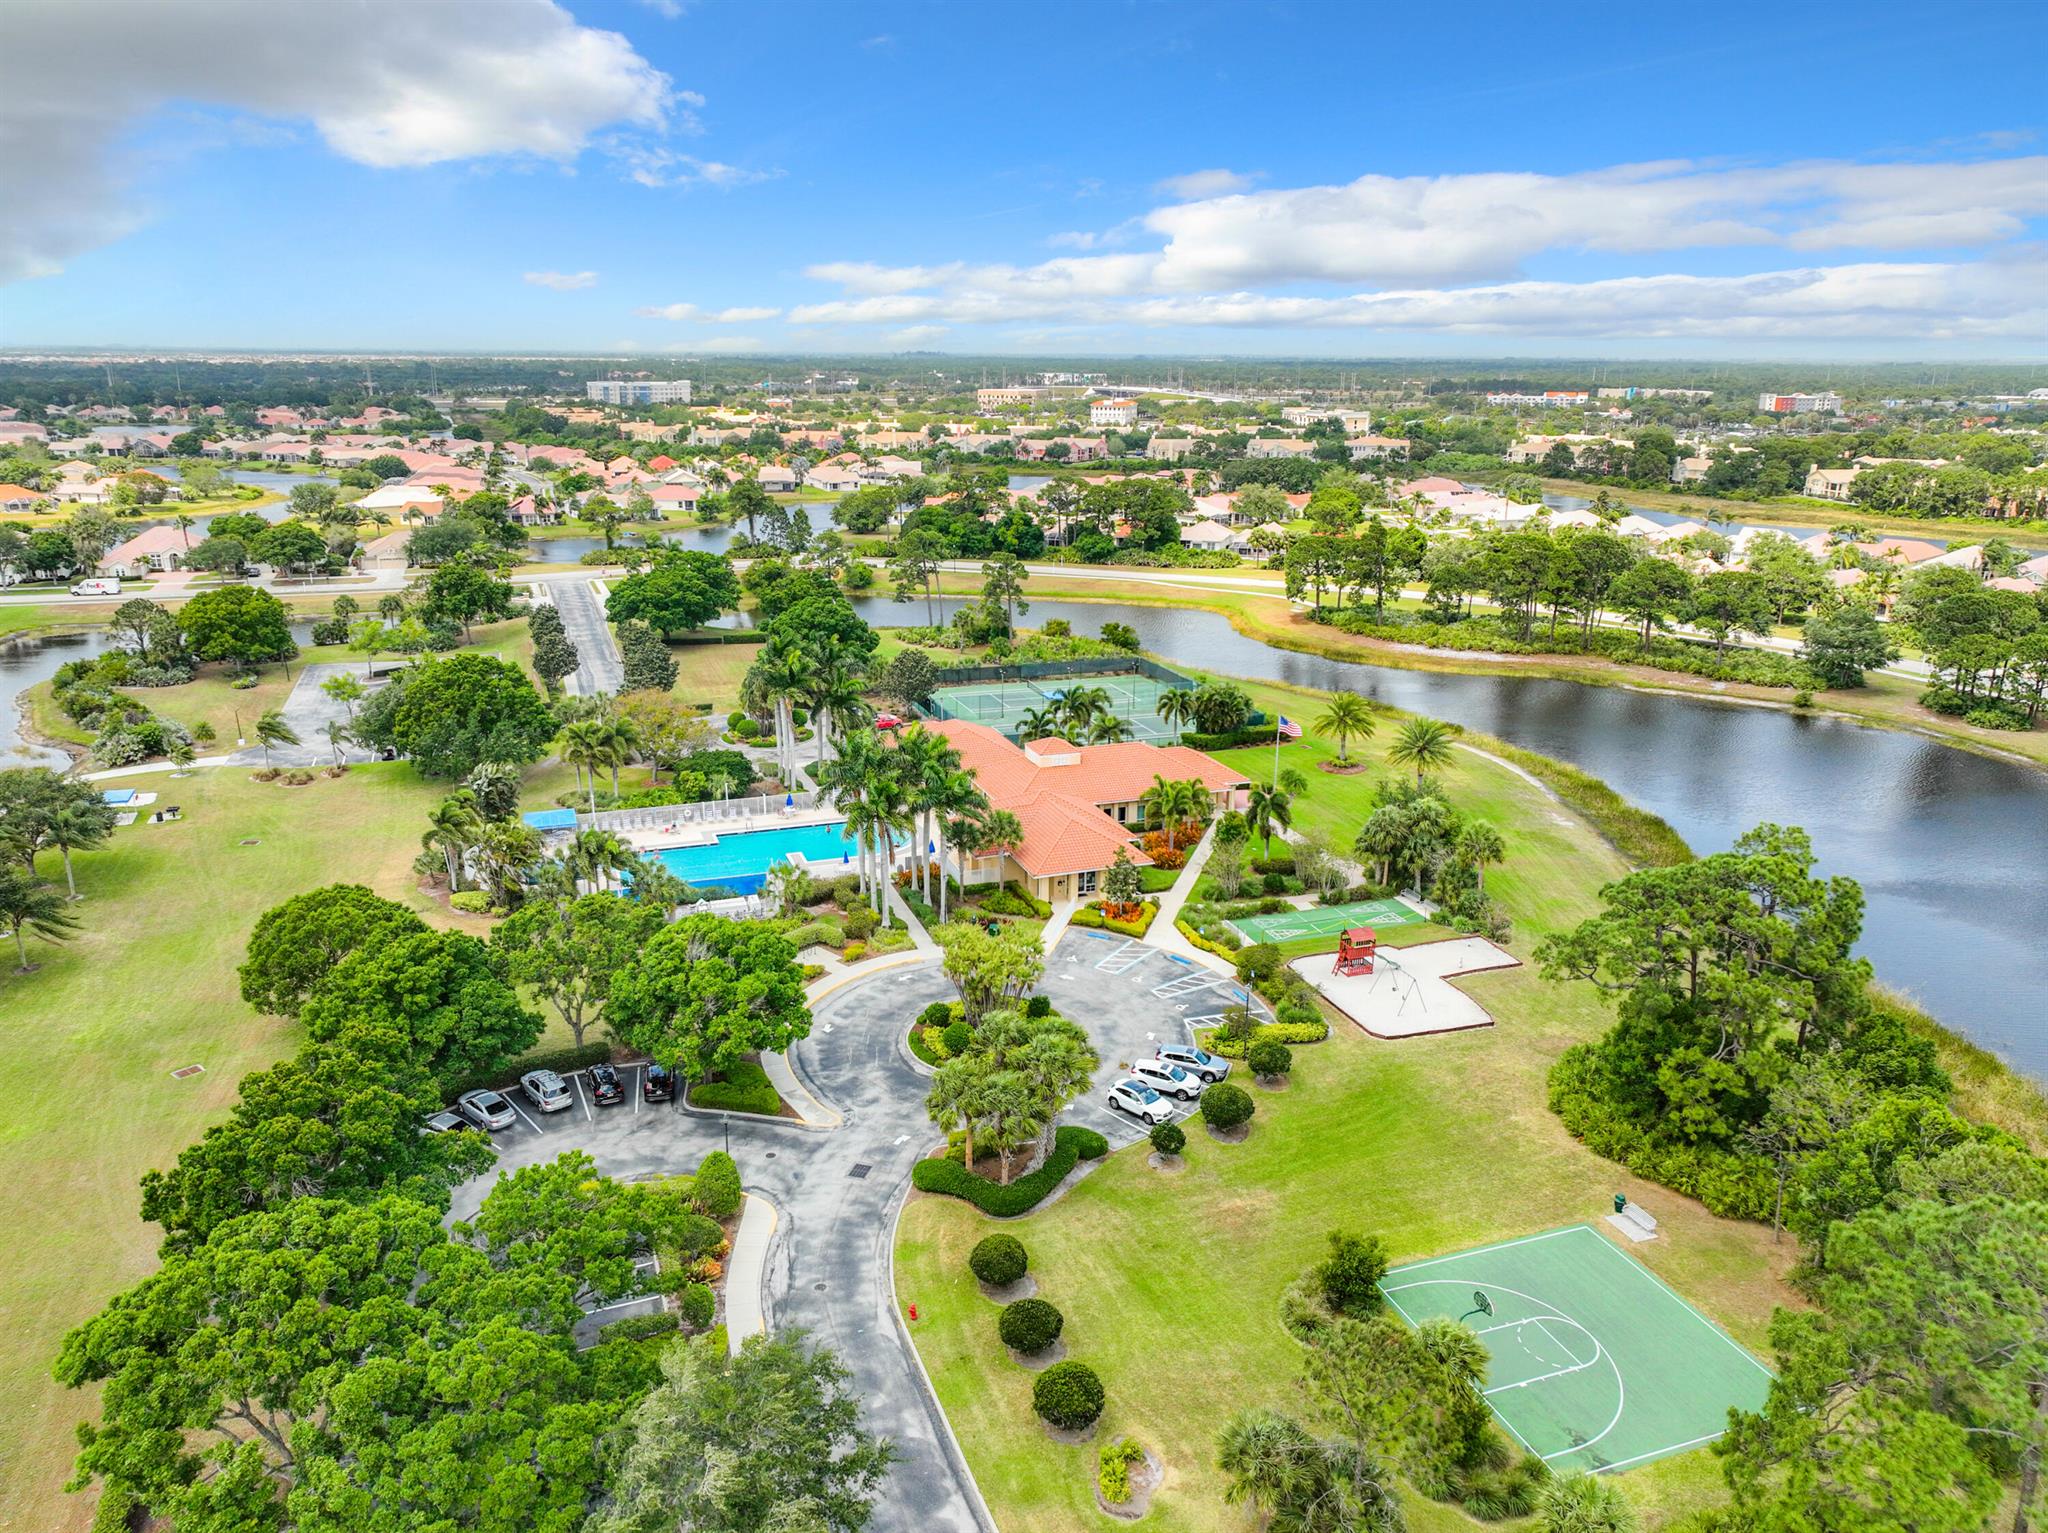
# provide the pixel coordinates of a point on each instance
(789, 801)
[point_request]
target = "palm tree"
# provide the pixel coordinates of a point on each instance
(1177, 708)
(1161, 803)
(28, 904)
(836, 699)
(583, 747)
(1269, 806)
(1348, 714)
(1583, 1503)
(617, 739)
(595, 855)
(958, 1088)
(788, 675)
(1037, 723)
(1108, 730)
(77, 824)
(1482, 845)
(1082, 706)
(185, 524)
(1424, 744)
(1269, 1458)
(452, 829)
(339, 735)
(272, 729)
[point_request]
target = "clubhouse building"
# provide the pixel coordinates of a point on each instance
(1077, 803)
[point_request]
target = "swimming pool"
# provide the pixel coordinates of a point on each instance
(740, 862)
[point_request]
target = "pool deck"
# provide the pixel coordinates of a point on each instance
(696, 828)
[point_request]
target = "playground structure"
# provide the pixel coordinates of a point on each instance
(1355, 951)
(1406, 992)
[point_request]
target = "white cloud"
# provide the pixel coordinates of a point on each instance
(656, 165)
(1203, 183)
(563, 281)
(743, 315)
(1447, 253)
(457, 80)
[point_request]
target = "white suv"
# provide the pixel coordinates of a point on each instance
(1196, 1061)
(1140, 1101)
(1168, 1079)
(545, 1089)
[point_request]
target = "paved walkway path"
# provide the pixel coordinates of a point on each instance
(746, 1272)
(1163, 932)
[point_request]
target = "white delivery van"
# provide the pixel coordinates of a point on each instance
(97, 588)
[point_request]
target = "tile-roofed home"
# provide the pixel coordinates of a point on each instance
(153, 548)
(1900, 550)
(19, 497)
(1434, 484)
(1077, 803)
(1213, 537)
(661, 463)
(2019, 583)
(834, 477)
(673, 497)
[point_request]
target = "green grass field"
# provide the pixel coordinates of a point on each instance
(1435, 1144)
(89, 1039)
(1594, 1364)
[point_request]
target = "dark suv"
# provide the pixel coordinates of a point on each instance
(605, 1087)
(657, 1085)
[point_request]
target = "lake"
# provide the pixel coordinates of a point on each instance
(1947, 845)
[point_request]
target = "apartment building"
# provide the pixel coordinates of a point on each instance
(1800, 404)
(638, 391)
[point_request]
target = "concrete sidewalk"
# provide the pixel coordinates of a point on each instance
(746, 1272)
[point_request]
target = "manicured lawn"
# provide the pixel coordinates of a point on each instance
(712, 673)
(89, 1040)
(1170, 1285)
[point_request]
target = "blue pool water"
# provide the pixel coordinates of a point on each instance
(741, 862)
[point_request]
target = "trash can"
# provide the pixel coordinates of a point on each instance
(1620, 1201)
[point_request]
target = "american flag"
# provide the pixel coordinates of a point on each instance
(1289, 730)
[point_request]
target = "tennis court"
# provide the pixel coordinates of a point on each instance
(1326, 920)
(1004, 704)
(1594, 1363)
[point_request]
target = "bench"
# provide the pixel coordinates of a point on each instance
(1639, 1224)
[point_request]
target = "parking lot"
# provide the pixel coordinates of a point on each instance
(1131, 997)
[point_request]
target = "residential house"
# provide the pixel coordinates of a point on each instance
(892, 470)
(833, 478)
(1078, 804)
(669, 498)
(19, 498)
(776, 478)
(151, 550)
(23, 431)
(1113, 412)
(1372, 448)
(1214, 537)
(1169, 449)
(1279, 447)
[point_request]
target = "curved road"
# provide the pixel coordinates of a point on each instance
(836, 1194)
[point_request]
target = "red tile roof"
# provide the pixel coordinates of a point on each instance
(1060, 803)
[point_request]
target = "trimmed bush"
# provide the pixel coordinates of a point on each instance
(1030, 1326)
(938, 1014)
(696, 1305)
(470, 901)
(1349, 1277)
(957, 1035)
(716, 1191)
(1070, 1146)
(1168, 1138)
(1278, 1032)
(1226, 1106)
(1113, 1463)
(999, 1260)
(1258, 962)
(1269, 1056)
(746, 1088)
(1068, 1395)
(1038, 1006)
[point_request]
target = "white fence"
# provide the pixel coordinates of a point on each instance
(759, 806)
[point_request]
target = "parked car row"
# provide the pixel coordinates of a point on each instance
(546, 1091)
(1176, 1073)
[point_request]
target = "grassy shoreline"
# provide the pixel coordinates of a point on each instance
(1803, 512)
(1886, 702)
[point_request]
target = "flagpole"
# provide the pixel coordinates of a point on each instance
(1278, 720)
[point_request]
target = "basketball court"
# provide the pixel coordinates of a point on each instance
(1594, 1364)
(1326, 920)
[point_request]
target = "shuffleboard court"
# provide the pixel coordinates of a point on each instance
(1594, 1364)
(1325, 920)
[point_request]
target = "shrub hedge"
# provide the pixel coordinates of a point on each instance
(1267, 1032)
(1226, 1106)
(999, 1260)
(1030, 1326)
(717, 1191)
(1168, 1138)
(1269, 1056)
(642, 1327)
(1068, 1395)
(1070, 1146)
(746, 1088)
(696, 1304)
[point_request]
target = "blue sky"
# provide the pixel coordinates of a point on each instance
(1176, 178)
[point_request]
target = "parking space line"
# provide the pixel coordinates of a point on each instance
(522, 1115)
(633, 1073)
(576, 1085)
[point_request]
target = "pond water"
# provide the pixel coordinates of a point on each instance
(1947, 845)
